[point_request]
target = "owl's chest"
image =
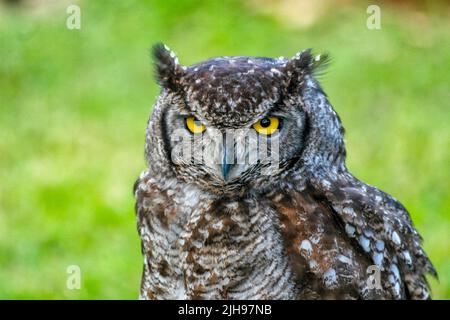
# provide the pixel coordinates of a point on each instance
(215, 248)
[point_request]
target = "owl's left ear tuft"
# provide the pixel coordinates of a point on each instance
(167, 68)
(320, 63)
(304, 63)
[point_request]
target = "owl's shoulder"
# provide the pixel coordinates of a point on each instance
(325, 261)
(380, 226)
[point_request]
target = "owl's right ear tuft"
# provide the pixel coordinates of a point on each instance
(167, 68)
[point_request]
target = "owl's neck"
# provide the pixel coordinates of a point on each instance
(199, 245)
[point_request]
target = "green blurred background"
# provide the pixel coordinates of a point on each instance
(74, 106)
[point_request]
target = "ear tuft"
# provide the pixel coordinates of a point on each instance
(167, 68)
(299, 64)
(304, 63)
(319, 64)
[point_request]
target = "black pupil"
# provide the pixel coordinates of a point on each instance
(196, 122)
(265, 122)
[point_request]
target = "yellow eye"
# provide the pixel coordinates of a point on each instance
(194, 125)
(267, 126)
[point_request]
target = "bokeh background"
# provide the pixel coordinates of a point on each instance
(74, 106)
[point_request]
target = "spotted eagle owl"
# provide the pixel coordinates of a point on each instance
(219, 219)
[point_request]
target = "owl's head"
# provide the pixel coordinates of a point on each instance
(233, 124)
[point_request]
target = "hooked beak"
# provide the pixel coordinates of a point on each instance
(227, 157)
(226, 167)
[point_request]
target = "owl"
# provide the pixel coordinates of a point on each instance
(247, 195)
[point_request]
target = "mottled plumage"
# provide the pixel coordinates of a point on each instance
(304, 229)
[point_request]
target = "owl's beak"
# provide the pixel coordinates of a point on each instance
(226, 166)
(225, 170)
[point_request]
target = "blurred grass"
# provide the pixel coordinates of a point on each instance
(74, 106)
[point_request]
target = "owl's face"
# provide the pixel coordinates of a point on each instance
(230, 123)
